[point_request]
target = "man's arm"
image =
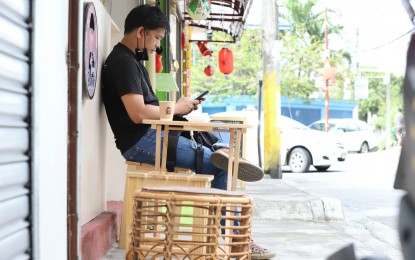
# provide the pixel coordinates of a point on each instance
(137, 110)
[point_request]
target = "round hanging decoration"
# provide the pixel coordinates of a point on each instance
(199, 9)
(225, 61)
(90, 49)
(203, 49)
(209, 70)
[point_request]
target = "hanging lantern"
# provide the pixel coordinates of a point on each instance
(225, 61)
(209, 70)
(159, 63)
(203, 49)
(199, 9)
(183, 41)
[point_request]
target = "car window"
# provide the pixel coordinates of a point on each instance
(322, 127)
(332, 127)
(352, 126)
(341, 125)
(288, 123)
(362, 125)
(318, 126)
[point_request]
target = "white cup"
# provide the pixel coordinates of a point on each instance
(166, 110)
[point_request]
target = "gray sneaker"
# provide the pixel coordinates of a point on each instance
(247, 171)
(258, 252)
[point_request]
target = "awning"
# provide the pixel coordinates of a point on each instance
(227, 16)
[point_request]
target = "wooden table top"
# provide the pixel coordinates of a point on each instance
(187, 124)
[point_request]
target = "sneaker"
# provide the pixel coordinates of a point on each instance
(258, 252)
(247, 171)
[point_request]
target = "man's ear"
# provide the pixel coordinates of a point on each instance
(140, 32)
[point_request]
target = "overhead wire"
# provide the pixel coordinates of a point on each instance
(389, 42)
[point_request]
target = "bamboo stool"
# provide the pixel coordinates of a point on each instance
(163, 230)
(139, 175)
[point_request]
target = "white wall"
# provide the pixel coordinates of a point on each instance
(94, 129)
(102, 168)
(50, 88)
(119, 11)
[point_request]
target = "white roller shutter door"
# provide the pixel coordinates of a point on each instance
(15, 84)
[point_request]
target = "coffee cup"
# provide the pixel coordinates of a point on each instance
(166, 110)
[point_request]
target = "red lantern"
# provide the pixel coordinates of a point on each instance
(183, 41)
(225, 61)
(209, 71)
(203, 49)
(159, 63)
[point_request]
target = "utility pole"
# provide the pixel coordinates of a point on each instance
(272, 90)
(327, 71)
(327, 55)
(386, 81)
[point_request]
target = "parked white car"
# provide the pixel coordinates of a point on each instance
(301, 147)
(356, 135)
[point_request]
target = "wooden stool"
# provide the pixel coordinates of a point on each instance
(140, 175)
(163, 230)
(144, 167)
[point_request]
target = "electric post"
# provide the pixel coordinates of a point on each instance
(272, 90)
(327, 57)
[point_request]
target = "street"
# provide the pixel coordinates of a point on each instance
(363, 183)
(363, 187)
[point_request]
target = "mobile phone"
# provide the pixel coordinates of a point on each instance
(202, 95)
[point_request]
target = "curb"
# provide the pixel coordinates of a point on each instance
(277, 200)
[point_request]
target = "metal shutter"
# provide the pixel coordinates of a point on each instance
(15, 82)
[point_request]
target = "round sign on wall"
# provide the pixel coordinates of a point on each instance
(90, 49)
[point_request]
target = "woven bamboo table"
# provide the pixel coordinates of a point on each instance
(189, 223)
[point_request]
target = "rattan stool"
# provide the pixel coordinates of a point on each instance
(189, 223)
(140, 175)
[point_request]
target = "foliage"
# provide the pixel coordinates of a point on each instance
(302, 53)
(298, 61)
(247, 66)
(307, 20)
(376, 102)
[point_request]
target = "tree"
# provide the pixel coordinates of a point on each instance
(298, 64)
(305, 19)
(375, 104)
(301, 55)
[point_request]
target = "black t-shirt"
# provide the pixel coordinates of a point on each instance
(123, 74)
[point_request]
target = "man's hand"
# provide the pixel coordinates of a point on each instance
(185, 105)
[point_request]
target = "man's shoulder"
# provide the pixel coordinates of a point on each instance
(120, 55)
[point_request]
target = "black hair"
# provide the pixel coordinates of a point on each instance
(148, 16)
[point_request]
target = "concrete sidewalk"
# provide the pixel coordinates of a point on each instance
(298, 225)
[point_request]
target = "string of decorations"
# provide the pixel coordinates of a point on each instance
(199, 10)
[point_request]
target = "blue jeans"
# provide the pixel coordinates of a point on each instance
(144, 151)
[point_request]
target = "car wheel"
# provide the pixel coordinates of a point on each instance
(299, 160)
(364, 148)
(322, 168)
